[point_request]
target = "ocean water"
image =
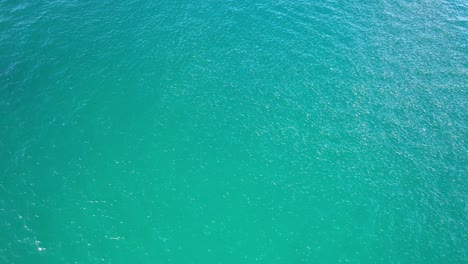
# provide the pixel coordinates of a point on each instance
(269, 131)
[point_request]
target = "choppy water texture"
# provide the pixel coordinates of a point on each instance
(233, 131)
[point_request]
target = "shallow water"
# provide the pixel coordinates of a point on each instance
(233, 132)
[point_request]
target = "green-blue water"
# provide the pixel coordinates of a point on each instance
(233, 131)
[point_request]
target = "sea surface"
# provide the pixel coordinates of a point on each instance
(217, 132)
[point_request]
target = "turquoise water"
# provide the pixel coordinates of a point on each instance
(233, 131)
